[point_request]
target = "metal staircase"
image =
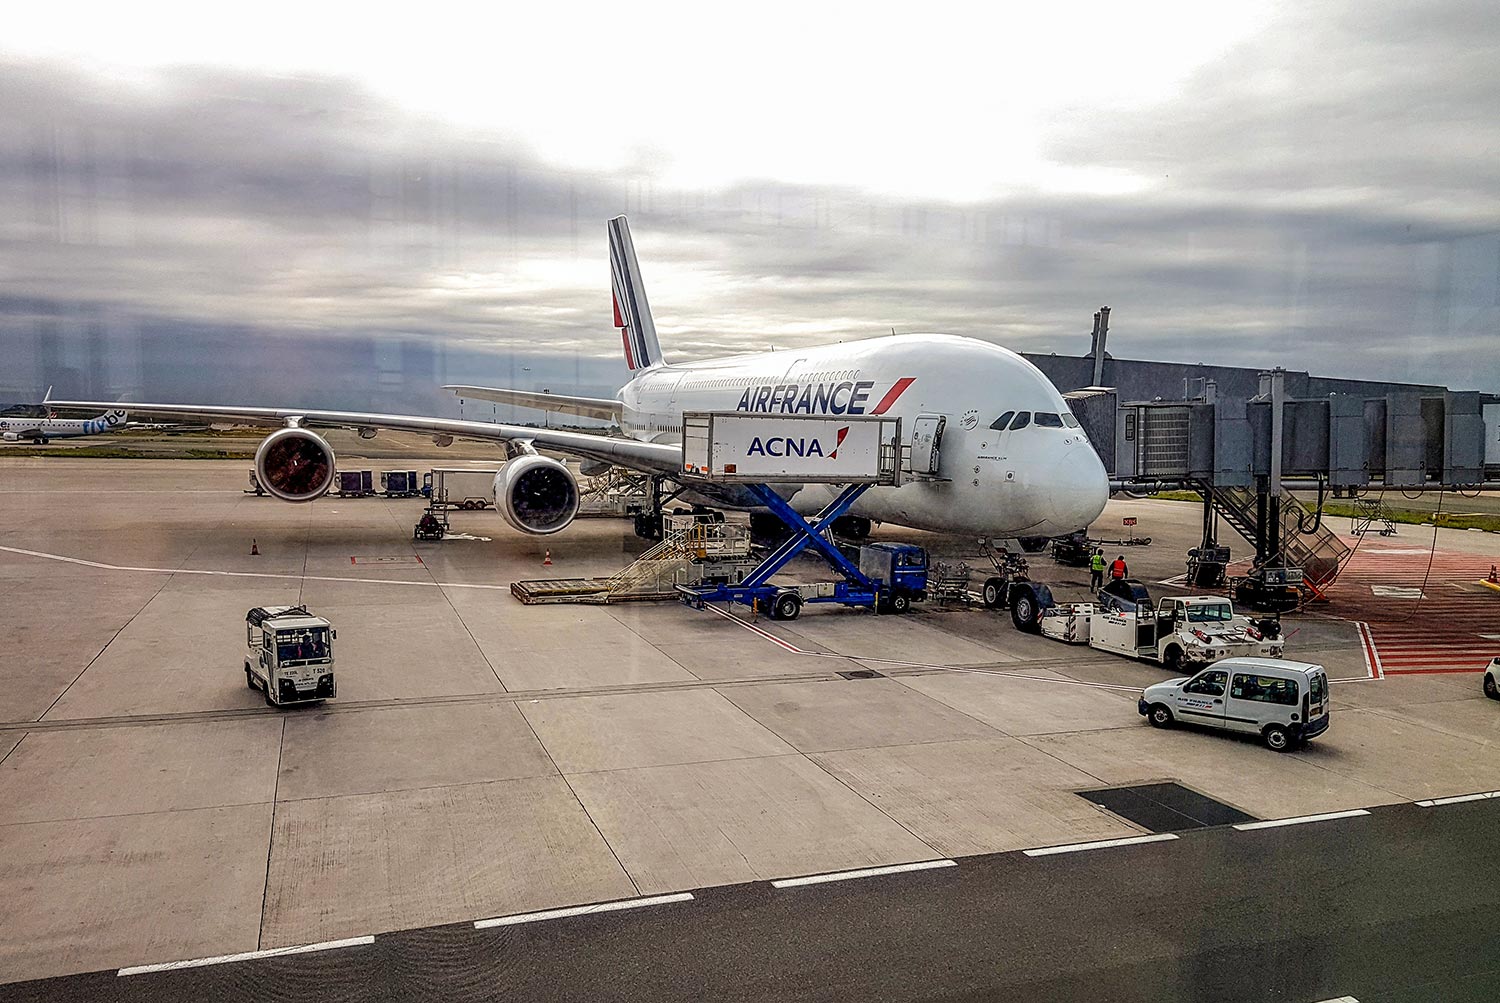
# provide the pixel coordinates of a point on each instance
(691, 550)
(1305, 541)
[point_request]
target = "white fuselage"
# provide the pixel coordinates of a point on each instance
(13, 429)
(1040, 480)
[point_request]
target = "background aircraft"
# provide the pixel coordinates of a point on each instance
(16, 427)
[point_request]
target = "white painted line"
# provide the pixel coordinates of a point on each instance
(225, 959)
(583, 910)
(868, 872)
(1273, 823)
(1341, 999)
(1435, 802)
(246, 574)
(1100, 844)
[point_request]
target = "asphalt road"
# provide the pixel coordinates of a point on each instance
(1401, 904)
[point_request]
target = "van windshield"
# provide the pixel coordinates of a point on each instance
(1216, 613)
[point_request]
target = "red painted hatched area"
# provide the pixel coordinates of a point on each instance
(1417, 628)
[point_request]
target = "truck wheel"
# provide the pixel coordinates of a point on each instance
(993, 593)
(250, 679)
(1160, 716)
(1171, 659)
(900, 603)
(1025, 613)
(1490, 689)
(269, 702)
(1278, 739)
(786, 607)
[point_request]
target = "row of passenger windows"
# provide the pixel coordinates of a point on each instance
(1266, 689)
(832, 376)
(1046, 419)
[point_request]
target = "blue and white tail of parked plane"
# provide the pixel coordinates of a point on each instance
(42, 430)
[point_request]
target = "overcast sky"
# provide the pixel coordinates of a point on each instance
(376, 200)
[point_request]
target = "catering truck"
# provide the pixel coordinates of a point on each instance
(289, 654)
(1178, 632)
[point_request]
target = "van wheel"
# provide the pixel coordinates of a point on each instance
(1160, 716)
(1278, 739)
(900, 602)
(993, 593)
(786, 607)
(1025, 613)
(1171, 659)
(1490, 689)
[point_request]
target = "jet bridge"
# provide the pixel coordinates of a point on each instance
(1244, 456)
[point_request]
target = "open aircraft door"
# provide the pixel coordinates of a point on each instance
(927, 443)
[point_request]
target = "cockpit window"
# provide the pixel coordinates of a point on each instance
(1047, 419)
(1022, 420)
(1070, 421)
(1002, 421)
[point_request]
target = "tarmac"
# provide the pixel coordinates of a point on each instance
(486, 758)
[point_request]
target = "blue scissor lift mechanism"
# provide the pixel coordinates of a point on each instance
(907, 564)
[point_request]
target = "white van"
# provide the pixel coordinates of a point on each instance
(1285, 703)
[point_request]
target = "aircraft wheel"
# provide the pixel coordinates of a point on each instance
(1025, 612)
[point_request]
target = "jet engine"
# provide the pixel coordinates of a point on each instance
(294, 465)
(536, 494)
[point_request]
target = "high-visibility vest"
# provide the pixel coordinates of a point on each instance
(1096, 563)
(1117, 569)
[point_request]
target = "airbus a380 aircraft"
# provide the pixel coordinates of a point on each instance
(1012, 462)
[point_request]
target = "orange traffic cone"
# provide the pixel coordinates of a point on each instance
(547, 560)
(254, 550)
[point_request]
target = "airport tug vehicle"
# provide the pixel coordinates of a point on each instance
(289, 655)
(1178, 632)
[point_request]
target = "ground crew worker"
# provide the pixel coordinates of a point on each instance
(1117, 570)
(1096, 570)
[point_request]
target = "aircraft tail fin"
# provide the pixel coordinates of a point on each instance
(632, 312)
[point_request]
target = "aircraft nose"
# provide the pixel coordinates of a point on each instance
(1080, 488)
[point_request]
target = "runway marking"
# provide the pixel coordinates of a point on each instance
(1370, 652)
(1275, 822)
(247, 574)
(1100, 844)
(1340, 999)
(1435, 802)
(867, 872)
(582, 910)
(788, 646)
(225, 959)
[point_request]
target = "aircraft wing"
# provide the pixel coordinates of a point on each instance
(587, 407)
(652, 457)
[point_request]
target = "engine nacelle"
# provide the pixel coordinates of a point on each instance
(536, 494)
(294, 465)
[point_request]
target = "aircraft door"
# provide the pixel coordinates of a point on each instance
(927, 443)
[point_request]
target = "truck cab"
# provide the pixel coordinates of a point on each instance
(900, 567)
(289, 655)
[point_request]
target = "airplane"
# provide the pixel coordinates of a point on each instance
(44, 428)
(1008, 459)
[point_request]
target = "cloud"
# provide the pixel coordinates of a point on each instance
(1321, 196)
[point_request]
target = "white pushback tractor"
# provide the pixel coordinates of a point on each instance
(289, 654)
(1178, 632)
